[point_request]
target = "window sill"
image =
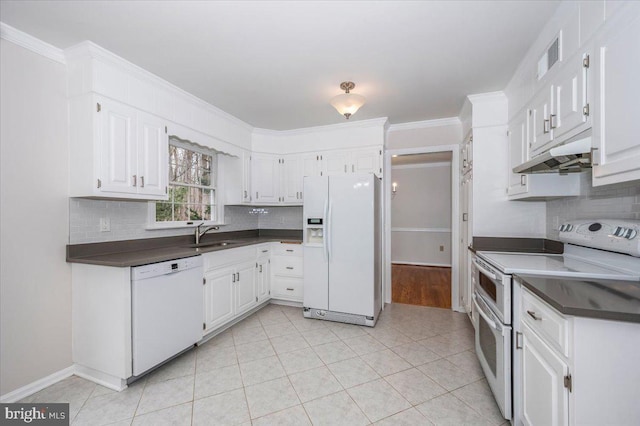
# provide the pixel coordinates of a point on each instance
(160, 226)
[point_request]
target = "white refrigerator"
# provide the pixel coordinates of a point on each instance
(342, 255)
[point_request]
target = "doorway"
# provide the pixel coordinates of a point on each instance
(420, 227)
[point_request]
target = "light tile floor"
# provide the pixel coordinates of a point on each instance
(416, 367)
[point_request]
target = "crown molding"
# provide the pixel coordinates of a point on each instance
(382, 121)
(487, 97)
(88, 49)
(421, 165)
(449, 121)
(7, 32)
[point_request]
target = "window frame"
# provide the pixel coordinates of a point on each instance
(217, 208)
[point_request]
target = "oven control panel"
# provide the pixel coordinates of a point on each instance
(622, 236)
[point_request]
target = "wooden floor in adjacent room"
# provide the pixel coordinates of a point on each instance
(421, 285)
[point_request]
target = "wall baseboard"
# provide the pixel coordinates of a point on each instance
(441, 265)
(38, 385)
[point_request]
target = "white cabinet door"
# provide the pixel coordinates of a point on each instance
(541, 109)
(219, 302)
(311, 165)
(117, 147)
(518, 151)
(265, 178)
(153, 151)
(545, 400)
(292, 179)
(570, 96)
(245, 287)
(366, 161)
(246, 177)
(616, 128)
(263, 279)
(335, 163)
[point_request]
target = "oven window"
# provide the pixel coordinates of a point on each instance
(488, 285)
(488, 344)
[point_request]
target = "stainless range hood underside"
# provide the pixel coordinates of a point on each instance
(568, 158)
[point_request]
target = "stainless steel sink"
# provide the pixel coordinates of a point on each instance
(213, 244)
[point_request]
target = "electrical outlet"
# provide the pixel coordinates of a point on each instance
(441, 248)
(105, 224)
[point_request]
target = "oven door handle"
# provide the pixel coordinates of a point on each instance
(484, 270)
(489, 321)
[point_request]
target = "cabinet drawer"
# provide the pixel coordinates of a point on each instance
(263, 250)
(287, 266)
(552, 327)
(225, 257)
(288, 288)
(283, 249)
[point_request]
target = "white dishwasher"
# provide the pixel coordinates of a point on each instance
(166, 310)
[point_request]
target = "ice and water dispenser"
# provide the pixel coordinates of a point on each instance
(315, 231)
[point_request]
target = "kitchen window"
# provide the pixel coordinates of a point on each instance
(192, 187)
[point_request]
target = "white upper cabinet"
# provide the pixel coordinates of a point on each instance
(116, 151)
(292, 176)
(368, 160)
(541, 111)
(246, 177)
(518, 151)
(616, 127)
(571, 108)
(265, 176)
(336, 163)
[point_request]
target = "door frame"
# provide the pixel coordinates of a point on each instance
(454, 149)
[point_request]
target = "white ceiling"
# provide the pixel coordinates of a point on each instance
(276, 64)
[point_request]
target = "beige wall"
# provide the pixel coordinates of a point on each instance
(35, 280)
(421, 214)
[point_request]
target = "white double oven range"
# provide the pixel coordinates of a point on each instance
(595, 252)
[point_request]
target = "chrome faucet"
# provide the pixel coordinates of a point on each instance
(199, 233)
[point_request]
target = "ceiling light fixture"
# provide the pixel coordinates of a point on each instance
(348, 103)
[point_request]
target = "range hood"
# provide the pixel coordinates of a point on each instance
(571, 157)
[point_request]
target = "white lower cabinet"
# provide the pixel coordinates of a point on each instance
(229, 286)
(287, 272)
(545, 400)
(570, 370)
(218, 297)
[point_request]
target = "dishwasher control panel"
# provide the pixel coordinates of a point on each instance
(164, 268)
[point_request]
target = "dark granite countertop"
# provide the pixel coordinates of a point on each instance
(152, 250)
(604, 299)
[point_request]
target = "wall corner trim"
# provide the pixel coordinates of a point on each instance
(372, 122)
(29, 42)
(38, 385)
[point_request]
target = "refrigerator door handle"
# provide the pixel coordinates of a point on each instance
(325, 249)
(327, 230)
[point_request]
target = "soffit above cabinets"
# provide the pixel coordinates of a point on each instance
(276, 65)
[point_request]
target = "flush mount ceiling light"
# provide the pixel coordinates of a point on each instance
(348, 103)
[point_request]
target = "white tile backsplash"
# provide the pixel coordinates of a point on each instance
(619, 201)
(128, 220)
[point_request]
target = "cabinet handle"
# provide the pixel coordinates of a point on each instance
(264, 251)
(533, 315)
(256, 195)
(345, 168)
(289, 289)
(260, 268)
(233, 278)
(523, 180)
(238, 276)
(518, 340)
(290, 250)
(464, 163)
(245, 194)
(141, 181)
(553, 118)
(135, 180)
(545, 126)
(593, 162)
(290, 267)
(353, 168)
(465, 217)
